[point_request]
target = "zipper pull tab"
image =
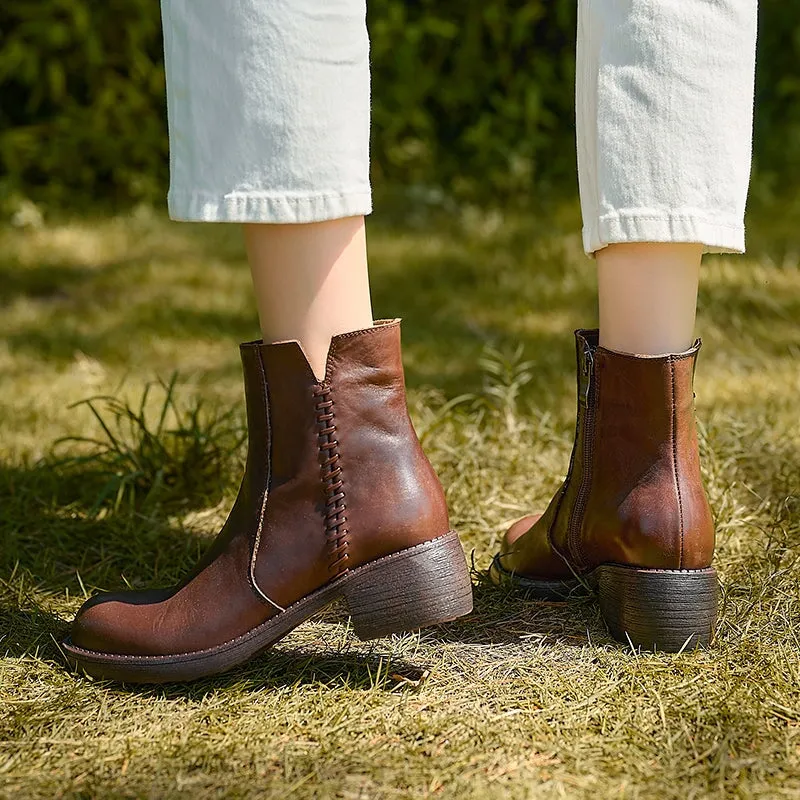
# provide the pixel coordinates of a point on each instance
(588, 372)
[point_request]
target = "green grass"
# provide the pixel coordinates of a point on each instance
(522, 699)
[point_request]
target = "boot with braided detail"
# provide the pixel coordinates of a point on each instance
(338, 501)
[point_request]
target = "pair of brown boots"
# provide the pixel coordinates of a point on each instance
(338, 501)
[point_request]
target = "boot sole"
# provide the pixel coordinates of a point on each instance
(424, 585)
(671, 610)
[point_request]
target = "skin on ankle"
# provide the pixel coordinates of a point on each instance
(648, 296)
(311, 282)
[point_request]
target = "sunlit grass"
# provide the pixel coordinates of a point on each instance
(523, 699)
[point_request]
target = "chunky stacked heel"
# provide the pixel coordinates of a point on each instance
(417, 587)
(659, 609)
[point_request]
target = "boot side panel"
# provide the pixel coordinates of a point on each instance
(394, 499)
(560, 517)
(697, 547)
(289, 545)
(634, 512)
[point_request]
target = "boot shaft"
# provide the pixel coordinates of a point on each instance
(339, 468)
(634, 493)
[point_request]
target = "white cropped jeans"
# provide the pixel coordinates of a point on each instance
(269, 114)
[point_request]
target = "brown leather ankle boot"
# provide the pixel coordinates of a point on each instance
(631, 520)
(337, 501)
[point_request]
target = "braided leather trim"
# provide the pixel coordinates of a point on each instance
(336, 531)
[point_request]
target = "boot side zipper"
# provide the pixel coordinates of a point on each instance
(579, 509)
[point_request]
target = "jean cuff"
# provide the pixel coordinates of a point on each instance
(266, 207)
(717, 235)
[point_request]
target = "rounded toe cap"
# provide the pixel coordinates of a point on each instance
(111, 623)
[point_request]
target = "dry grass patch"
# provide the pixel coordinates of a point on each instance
(522, 699)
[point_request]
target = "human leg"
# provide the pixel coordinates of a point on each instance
(269, 126)
(647, 295)
(269, 113)
(664, 100)
(311, 282)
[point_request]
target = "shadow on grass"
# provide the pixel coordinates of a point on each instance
(107, 310)
(50, 542)
(503, 617)
(281, 667)
(31, 633)
(38, 634)
(57, 280)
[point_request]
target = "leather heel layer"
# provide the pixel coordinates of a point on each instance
(420, 586)
(657, 609)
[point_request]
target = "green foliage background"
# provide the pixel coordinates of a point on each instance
(470, 97)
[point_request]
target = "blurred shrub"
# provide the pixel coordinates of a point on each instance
(475, 98)
(82, 109)
(777, 119)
